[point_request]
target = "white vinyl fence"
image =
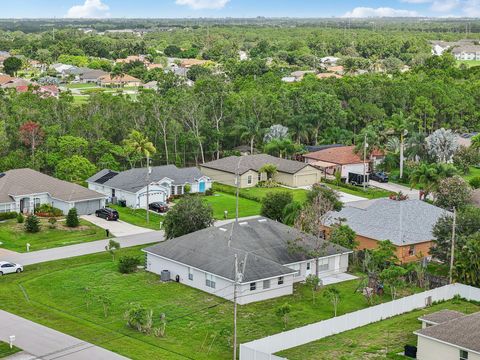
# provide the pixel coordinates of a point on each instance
(263, 349)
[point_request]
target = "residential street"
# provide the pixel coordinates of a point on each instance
(64, 252)
(41, 342)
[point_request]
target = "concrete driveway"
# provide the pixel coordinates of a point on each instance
(412, 193)
(118, 228)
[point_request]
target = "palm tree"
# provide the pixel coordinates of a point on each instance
(299, 129)
(476, 142)
(140, 144)
(415, 148)
(397, 125)
(250, 129)
(425, 175)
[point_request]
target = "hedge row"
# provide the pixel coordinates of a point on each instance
(8, 215)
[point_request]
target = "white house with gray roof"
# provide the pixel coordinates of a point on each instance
(21, 190)
(205, 259)
(164, 182)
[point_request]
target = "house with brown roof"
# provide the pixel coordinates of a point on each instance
(450, 336)
(118, 81)
(188, 63)
(343, 159)
(289, 172)
(22, 190)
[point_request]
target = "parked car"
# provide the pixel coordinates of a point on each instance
(357, 179)
(379, 176)
(159, 207)
(9, 268)
(107, 214)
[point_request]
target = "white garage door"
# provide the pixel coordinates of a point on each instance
(154, 196)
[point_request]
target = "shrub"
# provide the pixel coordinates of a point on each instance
(209, 192)
(475, 182)
(128, 264)
(32, 224)
(267, 184)
(187, 188)
(47, 210)
(52, 223)
(20, 218)
(72, 218)
(274, 204)
(8, 215)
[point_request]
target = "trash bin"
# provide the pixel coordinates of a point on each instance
(123, 203)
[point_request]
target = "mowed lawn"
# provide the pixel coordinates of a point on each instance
(14, 237)
(369, 193)
(138, 217)
(474, 172)
(6, 351)
(221, 202)
(199, 325)
(299, 195)
(381, 340)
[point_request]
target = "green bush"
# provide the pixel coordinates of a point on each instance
(128, 264)
(20, 218)
(52, 223)
(72, 218)
(273, 204)
(475, 182)
(209, 192)
(8, 215)
(47, 210)
(32, 224)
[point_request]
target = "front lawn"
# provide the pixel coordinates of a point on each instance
(6, 351)
(369, 193)
(138, 217)
(199, 325)
(384, 339)
(257, 193)
(14, 237)
(221, 202)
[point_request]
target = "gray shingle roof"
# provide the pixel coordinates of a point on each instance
(255, 162)
(463, 332)
(441, 316)
(134, 180)
(402, 222)
(27, 181)
(265, 241)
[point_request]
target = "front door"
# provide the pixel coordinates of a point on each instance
(308, 271)
(201, 186)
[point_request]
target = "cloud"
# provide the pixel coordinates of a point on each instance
(472, 8)
(365, 12)
(89, 9)
(445, 5)
(203, 4)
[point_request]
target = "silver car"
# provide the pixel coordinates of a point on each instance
(9, 268)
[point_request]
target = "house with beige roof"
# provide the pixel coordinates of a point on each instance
(22, 190)
(118, 81)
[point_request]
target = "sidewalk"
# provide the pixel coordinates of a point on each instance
(93, 247)
(41, 342)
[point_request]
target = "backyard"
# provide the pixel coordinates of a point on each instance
(13, 236)
(67, 295)
(380, 340)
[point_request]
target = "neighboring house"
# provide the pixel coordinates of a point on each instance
(86, 75)
(343, 159)
(21, 190)
(246, 150)
(465, 139)
(450, 336)
(328, 75)
(188, 63)
(336, 69)
(164, 182)
(152, 85)
(467, 52)
(408, 224)
(133, 58)
(62, 69)
(123, 80)
(289, 172)
(154, 66)
(329, 60)
(43, 91)
(205, 259)
(5, 80)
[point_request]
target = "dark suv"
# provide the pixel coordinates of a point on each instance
(107, 214)
(159, 207)
(379, 176)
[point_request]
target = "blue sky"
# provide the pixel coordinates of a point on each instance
(236, 8)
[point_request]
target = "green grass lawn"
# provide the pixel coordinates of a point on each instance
(384, 339)
(369, 193)
(469, 63)
(14, 237)
(221, 202)
(138, 217)
(81, 86)
(258, 193)
(6, 351)
(474, 172)
(199, 325)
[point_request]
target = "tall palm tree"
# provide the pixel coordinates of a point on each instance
(425, 175)
(299, 129)
(140, 144)
(250, 129)
(397, 126)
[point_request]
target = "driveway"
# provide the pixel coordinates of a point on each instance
(412, 193)
(348, 198)
(41, 342)
(116, 228)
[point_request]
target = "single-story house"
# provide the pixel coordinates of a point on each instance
(121, 80)
(164, 182)
(246, 150)
(451, 336)
(132, 58)
(21, 190)
(188, 63)
(205, 259)
(408, 224)
(467, 52)
(87, 75)
(289, 172)
(328, 75)
(343, 159)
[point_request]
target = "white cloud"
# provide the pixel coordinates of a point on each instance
(203, 4)
(472, 8)
(365, 12)
(89, 9)
(445, 5)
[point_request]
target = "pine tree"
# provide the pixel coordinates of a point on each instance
(72, 218)
(32, 224)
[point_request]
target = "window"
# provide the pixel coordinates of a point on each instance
(172, 190)
(463, 355)
(296, 267)
(411, 250)
(179, 190)
(249, 179)
(190, 274)
(210, 281)
(253, 286)
(280, 280)
(266, 284)
(323, 265)
(309, 266)
(36, 203)
(113, 193)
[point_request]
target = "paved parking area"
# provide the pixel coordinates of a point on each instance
(117, 228)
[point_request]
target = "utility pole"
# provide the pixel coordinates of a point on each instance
(365, 145)
(149, 170)
(452, 250)
(235, 309)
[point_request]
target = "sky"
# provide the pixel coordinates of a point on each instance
(236, 8)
